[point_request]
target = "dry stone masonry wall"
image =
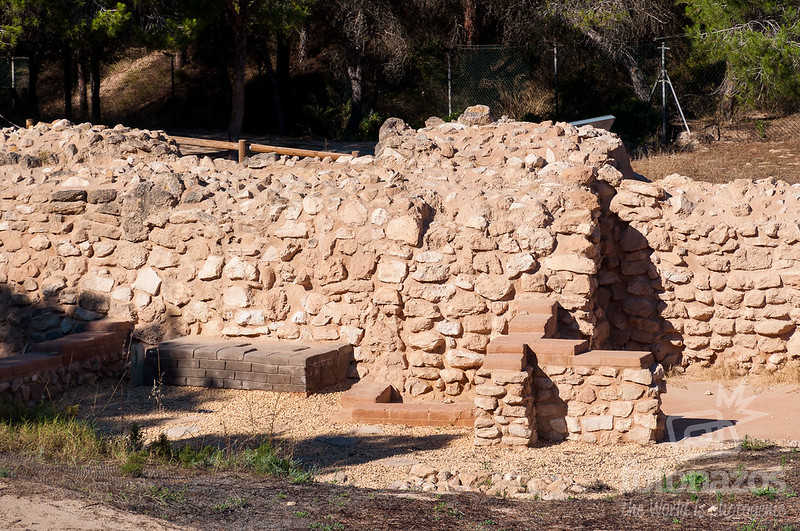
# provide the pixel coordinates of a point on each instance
(704, 273)
(415, 256)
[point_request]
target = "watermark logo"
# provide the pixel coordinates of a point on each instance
(697, 427)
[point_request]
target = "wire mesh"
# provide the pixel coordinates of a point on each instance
(14, 73)
(497, 76)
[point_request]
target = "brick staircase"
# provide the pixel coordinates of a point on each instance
(530, 343)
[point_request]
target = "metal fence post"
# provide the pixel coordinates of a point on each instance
(449, 87)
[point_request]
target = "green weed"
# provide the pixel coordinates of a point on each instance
(755, 445)
(166, 495)
(694, 480)
(265, 460)
(754, 525)
(134, 465)
(135, 438)
(229, 504)
(766, 492)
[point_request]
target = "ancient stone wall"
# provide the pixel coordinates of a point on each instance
(51, 367)
(413, 257)
(704, 273)
(602, 405)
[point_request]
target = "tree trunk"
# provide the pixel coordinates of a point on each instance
(302, 46)
(239, 28)
(470, 22)
(66, 58)
(638, 81)
(277, 103)
(83, 86)
(282, 70)
(727, 99)
(627, 59)
(357, 88)
(33, 95)
(180, 58)
(94, 67)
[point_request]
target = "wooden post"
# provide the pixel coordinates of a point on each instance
(242, 151)
(29, 123)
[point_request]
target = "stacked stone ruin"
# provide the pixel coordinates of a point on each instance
(420, 258)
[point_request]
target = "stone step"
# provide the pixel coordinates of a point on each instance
(510, 344)
(515, 344)
(505, 361)
(536, 305)
(380, 403)
(367, 393)
(547, 346)
(412, 414)
(535, 323)
(640, 359)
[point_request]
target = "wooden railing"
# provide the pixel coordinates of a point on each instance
(243, 147)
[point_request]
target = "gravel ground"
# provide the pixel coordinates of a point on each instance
(370, 456)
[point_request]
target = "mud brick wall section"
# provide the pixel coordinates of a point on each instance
(54, 366)
(264, 365)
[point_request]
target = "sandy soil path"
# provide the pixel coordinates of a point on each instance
(46, 508)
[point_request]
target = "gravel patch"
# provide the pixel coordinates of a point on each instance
(371, 456)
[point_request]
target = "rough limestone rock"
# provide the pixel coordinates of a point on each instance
(476, 115)
(422, 251)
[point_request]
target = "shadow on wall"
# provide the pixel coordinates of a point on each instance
(631, 293)
(26, 319)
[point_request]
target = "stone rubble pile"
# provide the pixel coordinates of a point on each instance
(63, 144)
(426, 478)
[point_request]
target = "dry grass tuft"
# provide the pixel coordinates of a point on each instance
(721, 162)
(529, 99)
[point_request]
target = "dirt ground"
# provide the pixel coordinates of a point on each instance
(25, 505)
(700, 411)
(375, 456)
(724, 161)
(59, 496)
(639, 487)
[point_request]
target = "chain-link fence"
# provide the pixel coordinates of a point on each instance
(563, 82)
(496, 76)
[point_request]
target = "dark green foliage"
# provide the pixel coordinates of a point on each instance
(759, 44)
(134, 464)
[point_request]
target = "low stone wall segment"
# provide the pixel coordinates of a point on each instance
(704, 274)
(420, 257)
(263, 365)
(52, 367)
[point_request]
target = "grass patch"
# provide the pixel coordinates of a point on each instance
(46, 434)
(756, 445)
(230, 504)
(165, 495)
(694, 481)
(49, 435)
(766, 492)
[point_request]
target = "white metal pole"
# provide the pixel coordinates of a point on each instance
(449, 88)
(663, 94)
